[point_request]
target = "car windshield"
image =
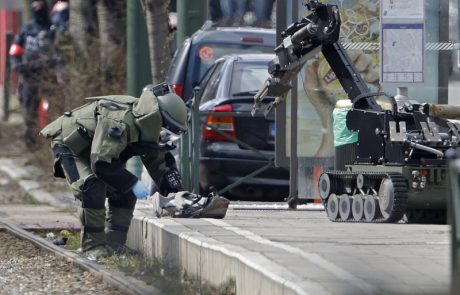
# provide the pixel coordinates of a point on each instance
(208, 53)
(248, 77)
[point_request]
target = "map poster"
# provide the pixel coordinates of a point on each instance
(402, 42)
(402, 53)
(403, 9)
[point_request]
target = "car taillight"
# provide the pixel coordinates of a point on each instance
(223, 123)
(179, 89)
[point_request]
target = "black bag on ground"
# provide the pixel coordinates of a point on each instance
(185, 204)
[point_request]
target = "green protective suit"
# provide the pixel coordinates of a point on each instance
(91, 145)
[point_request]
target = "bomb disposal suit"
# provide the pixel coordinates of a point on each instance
(92, 143)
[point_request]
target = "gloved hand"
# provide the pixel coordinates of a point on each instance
(171, 183)
(140, 191)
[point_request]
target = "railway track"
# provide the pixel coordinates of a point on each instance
(116, 282)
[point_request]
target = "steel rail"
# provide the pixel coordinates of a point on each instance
(128, 285)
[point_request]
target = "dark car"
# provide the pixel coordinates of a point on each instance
(197, 53)
(229, 86)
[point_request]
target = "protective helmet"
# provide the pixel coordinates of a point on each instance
(173, 112)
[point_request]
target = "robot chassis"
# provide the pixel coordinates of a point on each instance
(398, 167)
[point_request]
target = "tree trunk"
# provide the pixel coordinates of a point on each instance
(112, 27)
(156, 17)
(83, 21)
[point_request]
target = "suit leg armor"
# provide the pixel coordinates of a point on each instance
(119, 215)
(93, 213)
(91, 192)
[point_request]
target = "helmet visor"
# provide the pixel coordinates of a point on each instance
(172, 125)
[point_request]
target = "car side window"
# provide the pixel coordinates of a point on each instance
(209, 90)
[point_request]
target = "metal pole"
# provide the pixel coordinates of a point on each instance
(444, 56)
(453, 213)
(6, 87)
(195, 145)
(294, 162)
(190, 17)
(280, 111)
(138, 62)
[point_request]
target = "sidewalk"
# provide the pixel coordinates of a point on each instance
(268, 249)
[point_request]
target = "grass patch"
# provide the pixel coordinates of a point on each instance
(151, 271)
(73, 237)
(169, 281)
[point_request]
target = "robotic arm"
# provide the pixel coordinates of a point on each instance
(319, 31)
(301, 40)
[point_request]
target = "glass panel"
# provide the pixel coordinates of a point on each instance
(207, 54)
(248, 77)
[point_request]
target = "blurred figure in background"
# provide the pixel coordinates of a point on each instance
(60, 16)
(30, 54)
(215, 10)
(233, 12)
(263, 13)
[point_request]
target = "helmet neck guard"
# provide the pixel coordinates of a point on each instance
(147, 117)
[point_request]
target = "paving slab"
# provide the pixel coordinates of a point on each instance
(39, 217)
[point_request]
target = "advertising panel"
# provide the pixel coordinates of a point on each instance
(318, 88)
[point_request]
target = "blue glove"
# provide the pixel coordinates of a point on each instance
(140, 191)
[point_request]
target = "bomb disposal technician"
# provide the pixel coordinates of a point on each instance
(91, 145)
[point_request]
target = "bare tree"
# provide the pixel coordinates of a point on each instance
(83, 21)
(111, 16)
(156, 17)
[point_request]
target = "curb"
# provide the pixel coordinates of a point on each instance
(188, 250)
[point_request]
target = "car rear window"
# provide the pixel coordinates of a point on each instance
(248, 76)
(208, 53)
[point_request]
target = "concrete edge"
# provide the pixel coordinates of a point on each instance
(13, 171)
(193, 253)
(33, 188)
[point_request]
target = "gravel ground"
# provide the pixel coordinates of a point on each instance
(26, 269)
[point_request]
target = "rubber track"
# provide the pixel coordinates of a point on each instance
(400, 198)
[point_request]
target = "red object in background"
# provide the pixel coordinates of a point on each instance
(9, 24)
(179, 89)
(16, 50)
(43, 115)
